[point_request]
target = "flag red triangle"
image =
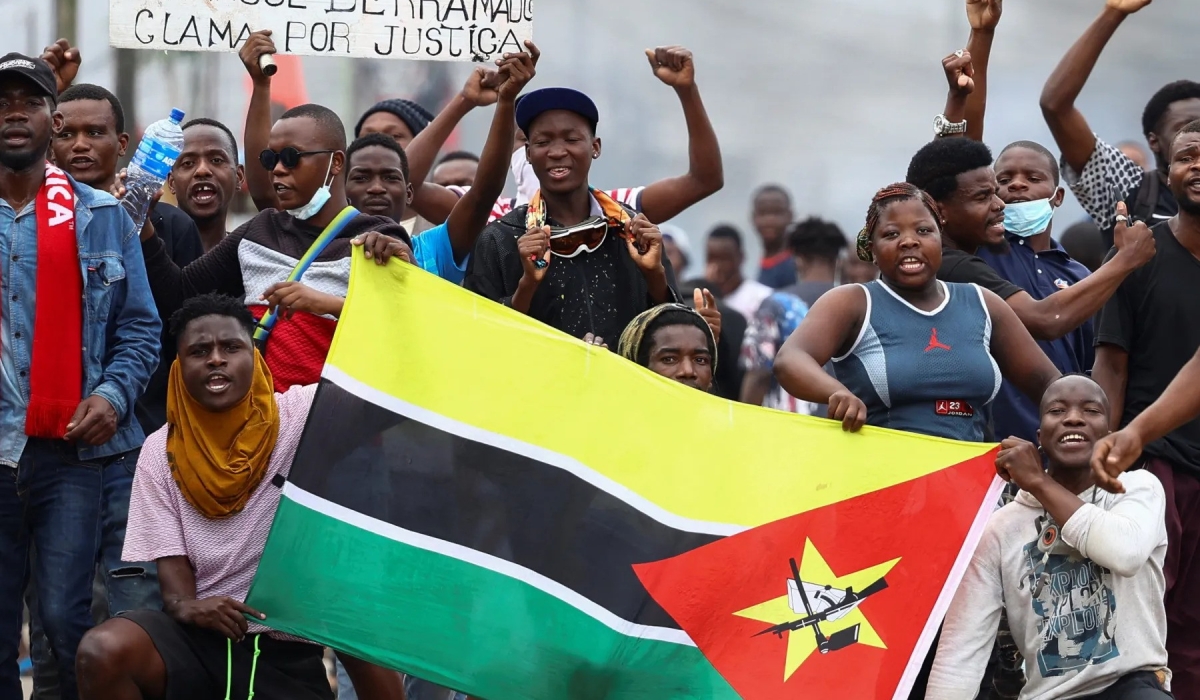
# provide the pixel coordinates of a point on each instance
(730, 594)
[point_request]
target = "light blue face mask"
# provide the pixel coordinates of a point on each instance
(1027, 219)
(318, 201)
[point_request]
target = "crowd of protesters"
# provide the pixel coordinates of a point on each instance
(154, 383)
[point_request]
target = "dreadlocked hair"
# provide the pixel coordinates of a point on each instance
(884, 198)
(637, 337)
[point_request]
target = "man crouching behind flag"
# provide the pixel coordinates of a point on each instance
(205, 494)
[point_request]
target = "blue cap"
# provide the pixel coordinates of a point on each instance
(534, 104)
(177, 115)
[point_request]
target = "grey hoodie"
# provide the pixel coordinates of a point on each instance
(1083, 614)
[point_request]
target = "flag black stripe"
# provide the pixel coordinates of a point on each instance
(420, 478)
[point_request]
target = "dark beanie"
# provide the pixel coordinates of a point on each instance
(411, 113)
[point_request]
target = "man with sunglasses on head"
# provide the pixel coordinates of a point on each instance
(575, 258)
(291, 266)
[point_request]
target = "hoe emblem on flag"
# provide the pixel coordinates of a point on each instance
(831, 601)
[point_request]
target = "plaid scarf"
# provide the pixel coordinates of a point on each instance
(56, 369)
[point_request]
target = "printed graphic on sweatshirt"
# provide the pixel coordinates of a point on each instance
(1074, 603)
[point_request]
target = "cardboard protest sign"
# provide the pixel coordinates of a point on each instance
(445, 30)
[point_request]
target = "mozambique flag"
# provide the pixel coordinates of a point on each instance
(490, 505)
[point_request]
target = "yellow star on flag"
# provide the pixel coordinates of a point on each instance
(813, 569)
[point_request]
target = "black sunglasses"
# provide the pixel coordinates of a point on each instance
(289, 156)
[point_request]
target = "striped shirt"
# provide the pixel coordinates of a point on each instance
(223, 553)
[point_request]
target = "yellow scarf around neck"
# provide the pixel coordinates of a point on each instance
(218, 459)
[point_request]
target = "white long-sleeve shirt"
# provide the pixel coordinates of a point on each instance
(1083, 615)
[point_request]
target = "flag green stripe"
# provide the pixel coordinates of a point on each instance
(360, 592)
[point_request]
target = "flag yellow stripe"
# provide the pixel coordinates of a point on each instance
(427, 342)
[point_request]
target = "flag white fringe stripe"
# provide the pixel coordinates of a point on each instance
(386, 401)
(934, 623)
(500, 566)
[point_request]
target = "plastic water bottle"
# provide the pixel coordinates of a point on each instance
(151, 163)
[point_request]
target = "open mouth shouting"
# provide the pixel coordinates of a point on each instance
(911, 265)
(203, 194)
(218, 383)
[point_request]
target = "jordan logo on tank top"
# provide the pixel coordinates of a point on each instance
(934, 344)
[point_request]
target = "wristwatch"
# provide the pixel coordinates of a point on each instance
(943, 127)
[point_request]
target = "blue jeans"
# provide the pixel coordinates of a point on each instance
(130, 586)
(51, 500)
(414, 688)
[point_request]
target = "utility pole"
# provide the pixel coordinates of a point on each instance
(65, 22)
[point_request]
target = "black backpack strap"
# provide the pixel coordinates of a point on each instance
(1145, 202)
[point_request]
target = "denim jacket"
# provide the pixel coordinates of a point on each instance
(121, 326)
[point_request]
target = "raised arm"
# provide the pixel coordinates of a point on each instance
(258, 120)
(984, 16)
(1070, 129)
(828, 329)
(1064, 311)
(1178, 404)
(422, 151)
(665, 199)
(470, 214)
(434, 202)
(218, 270)
(1021, 360)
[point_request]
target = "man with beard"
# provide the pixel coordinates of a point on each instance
(1148, 333)
(957, 173)
(73, 280)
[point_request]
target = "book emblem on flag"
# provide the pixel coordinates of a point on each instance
(822, 603)
(821, 598)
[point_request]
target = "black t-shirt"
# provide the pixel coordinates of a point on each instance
(1155, 317)
(181, 238)
(961, 267)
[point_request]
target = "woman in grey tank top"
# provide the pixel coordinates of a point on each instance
(910, 352)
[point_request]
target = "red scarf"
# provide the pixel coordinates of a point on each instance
(56, 371)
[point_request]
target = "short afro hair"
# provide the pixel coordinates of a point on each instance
(1189, 128)
(458, 155)
(727, 232)
(1051, 159)
(383, 141)
(816, 238)
(87, 91)
(772, 188)
(205, 121)
(327, 121)
(936, 167)
(1162, 100)
(211, 304)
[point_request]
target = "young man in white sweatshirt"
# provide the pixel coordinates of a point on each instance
(1077, 569)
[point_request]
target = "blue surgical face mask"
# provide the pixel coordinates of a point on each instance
(318, 201)
(1027, 219)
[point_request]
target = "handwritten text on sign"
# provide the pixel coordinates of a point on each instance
(448, 30)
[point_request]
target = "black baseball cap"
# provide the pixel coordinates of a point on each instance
(34, 70)
(534, 104)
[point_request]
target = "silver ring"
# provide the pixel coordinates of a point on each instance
(1122, 219)
(959, 53)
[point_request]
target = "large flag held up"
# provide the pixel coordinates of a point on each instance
(485, 503)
